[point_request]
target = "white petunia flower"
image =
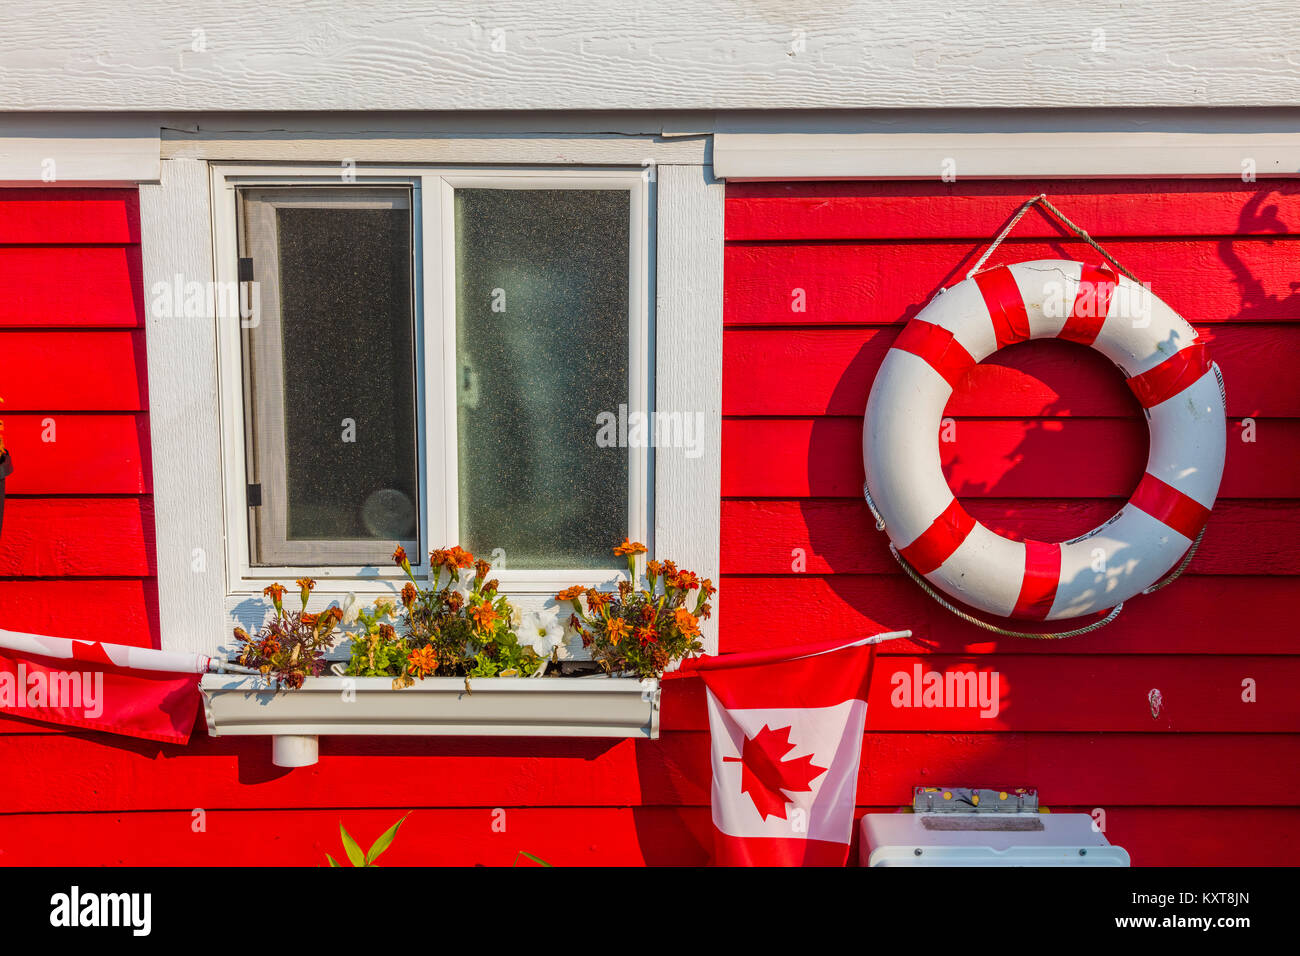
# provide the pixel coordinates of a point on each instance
(542, 631)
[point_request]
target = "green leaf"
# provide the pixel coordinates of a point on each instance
(536, 859)
(384, 841)
(333, 862)
(350, 846)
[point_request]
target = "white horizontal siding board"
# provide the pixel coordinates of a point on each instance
(688, 373)
(1010, 154)
(549, 54)
(53, 150)
(184, 424)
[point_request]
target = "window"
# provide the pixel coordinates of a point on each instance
(425, 358)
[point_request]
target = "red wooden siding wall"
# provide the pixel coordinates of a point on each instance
(1045, 434)
(1048, 444)
(77, 550)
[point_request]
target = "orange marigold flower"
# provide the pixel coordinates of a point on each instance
(484, 615)
(409, 594)
(570, 594)
(616, 629)
(652, 568)
(669, 568)
(423, 662)
(707, 590)
(399, 557)
(629, 547)
(686, 580)
(276, 593)
(686, 622)
(309, 619)
(455, 601)
(459, 558)
(305, 583)
(481, 568)
(647, 635)
(596, 600)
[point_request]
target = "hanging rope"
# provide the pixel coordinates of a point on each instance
(1042, 199)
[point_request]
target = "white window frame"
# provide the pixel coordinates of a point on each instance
(433, 224)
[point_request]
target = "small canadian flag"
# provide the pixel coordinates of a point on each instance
(787, 731)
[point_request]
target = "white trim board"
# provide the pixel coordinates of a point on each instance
(1002, 155)
(52, 150)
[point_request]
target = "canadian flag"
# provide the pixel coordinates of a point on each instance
(135, 691)
(787, 731)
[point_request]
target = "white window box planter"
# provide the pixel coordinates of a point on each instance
(437, 706)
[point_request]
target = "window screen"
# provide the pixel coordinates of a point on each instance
(329, 369)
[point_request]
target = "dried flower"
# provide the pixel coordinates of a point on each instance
(409, 594)
(401, 560)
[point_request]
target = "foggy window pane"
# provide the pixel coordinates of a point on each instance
(542, 349)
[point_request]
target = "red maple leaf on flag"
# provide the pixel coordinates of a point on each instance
(764, 774)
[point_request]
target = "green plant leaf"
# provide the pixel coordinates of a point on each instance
(350, 846)
(384, 841)
(536, 859)
(333, 862)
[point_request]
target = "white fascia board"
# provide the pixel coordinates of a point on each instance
(70, 149)
(1002, 155)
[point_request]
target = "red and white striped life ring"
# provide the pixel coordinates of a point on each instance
(1166, 368)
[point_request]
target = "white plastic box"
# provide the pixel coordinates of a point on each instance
(985, 839)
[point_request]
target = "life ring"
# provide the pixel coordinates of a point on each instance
(1166, 367)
